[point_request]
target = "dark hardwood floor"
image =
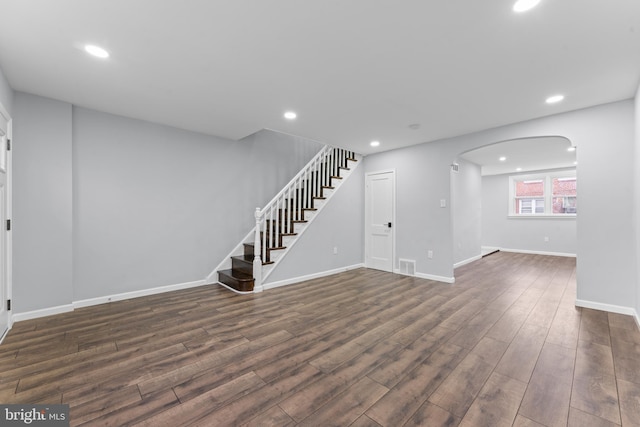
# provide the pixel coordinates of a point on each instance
(502, 346)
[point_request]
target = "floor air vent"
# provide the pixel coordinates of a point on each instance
(408, 267)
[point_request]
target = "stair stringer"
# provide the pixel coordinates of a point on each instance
(310, 216)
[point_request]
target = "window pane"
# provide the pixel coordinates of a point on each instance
(530, 206)
(564, 187)
(531, 188)
(564, 195)
(565, 205)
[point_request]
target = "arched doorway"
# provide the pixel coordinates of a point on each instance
(516, 195)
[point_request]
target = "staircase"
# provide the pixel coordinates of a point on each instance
(284, 219)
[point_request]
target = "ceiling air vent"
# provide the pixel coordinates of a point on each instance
(455, 167)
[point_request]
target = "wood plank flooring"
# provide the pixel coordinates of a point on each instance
(503, 346)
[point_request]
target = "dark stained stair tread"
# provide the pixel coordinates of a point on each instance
(236, 279)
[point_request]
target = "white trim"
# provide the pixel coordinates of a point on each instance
(426, 276)
(9, 215)
(137, 294)
(629, 311)
(542, 216)
(467, 261)
(394, 222)
(4, 334)
(18, 317)
(486, 250)
(310, 276)
(525, 251)
(28, 315)
(234, 290)
(436, 278)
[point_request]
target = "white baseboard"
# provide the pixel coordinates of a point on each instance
(103, 300)
(310, 276)
(629, 311)
(137, 294)
(235, 291)
(525, 251)
(436, 278)
(485, 250)
(467, 261)
(35, 314)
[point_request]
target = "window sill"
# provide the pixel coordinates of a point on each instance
(543, 216)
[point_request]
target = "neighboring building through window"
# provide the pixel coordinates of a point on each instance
(553, 194)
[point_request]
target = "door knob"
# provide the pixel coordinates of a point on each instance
(389, 225)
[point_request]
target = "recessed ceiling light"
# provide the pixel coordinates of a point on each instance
(571, 149)
(290, 115)
(518, 169)
(575, 163)
(524, 5)
(502, 159)
(555, 98)
(96, 51)
(374, 143)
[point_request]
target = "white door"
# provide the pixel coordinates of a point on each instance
(380, 220)
(4, 243)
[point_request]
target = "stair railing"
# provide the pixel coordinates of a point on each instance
(276, 219)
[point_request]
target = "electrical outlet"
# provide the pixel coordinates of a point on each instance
(546, 238)
(335, 250)
(430, 254)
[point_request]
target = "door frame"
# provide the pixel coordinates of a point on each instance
(393, 219)
(9, 206)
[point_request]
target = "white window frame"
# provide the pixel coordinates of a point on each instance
(547, 179)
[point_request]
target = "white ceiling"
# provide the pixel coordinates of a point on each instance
(353, 70)
(526, 154)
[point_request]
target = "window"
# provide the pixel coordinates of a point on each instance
(564, 195)
(529, 197)
(553, 194)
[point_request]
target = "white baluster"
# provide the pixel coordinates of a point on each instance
(289, 211)
(257, 261)
(307, 194)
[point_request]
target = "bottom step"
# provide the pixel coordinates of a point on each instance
(237, 280)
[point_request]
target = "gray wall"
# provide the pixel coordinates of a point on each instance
(606, 247)
(159, 206)
(422, 180)
(525, 234)
(339, 224)
(42, 203)
(6, 94)
(105, 204)
(636, 222)
(467, 211)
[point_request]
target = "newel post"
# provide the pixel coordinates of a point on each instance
(257, 249)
